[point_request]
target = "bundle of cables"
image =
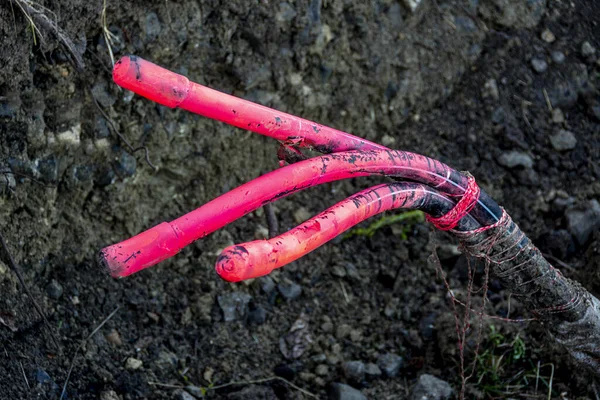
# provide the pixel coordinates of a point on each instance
(452, 201)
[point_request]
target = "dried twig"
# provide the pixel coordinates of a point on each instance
(108, 35)
(272, 223)
(36, 14)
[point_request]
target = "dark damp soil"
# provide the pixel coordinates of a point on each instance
(505, 90)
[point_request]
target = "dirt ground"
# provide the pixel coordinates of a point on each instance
(505, 89)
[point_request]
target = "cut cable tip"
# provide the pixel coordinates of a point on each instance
(238, 263)
(110, 263)
(151, 81)
(141, 251)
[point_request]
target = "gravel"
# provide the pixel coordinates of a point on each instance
(234, 305)
(563, 140)
(539, 65)
(354, 371)
(54, 290)
(289, 290)
(390, 364)
(429, 387)
(581, 222)
(340, 391)
(514, 159)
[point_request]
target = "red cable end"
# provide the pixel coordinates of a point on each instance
(141, 251)
(237, 264)
(151, 81)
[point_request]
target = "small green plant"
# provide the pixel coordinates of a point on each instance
(409, 218)
(504, 369)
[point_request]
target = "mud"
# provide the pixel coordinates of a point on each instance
(453, 81)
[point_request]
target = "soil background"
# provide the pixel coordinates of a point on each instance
(505, 89)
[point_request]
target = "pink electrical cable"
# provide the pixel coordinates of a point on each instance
(173, 90)
(261, 257)
(168, 238)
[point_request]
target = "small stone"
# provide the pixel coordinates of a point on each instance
(539, 65)
(448, 251)
(295, 79)
(547, 36)
(587, 50)
(54, 290)
(563, 140)
(390, 364)
(234, 305)
(48, 169)
(581, 222)
(343, 331)
(166, 360)
(558, 57)
(109, 395)
(322, 370)
(152, 26)
(372, 371)
(183, 395)
(429, 387)
(196, 391)
(261, 233)
(558, 117)
(490, 89)
(257, 315)
(338, 271)
(356, 335)
(8, 183)
(100, 93)
(499, 116)
(266, 284)
(388, 140)
(301, 215)
(340, 391)
(327, 327)
(354, 371)
(70, 137)
(286, 13)
(133, 363)
(203, 308)
(126, 164)
(412, 5)
(114, 337)
(514, 159)
(290, 290)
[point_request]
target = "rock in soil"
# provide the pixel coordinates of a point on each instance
(54, 290)
(290, 290)
(429, 387)
(354, 371)
(581, 222)
(563, 140)
(390, 364)
(340, 391)
(514, 159)
(372, 371)
(587, 50)
(183, 395)
(234, 305)
(539, 65)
